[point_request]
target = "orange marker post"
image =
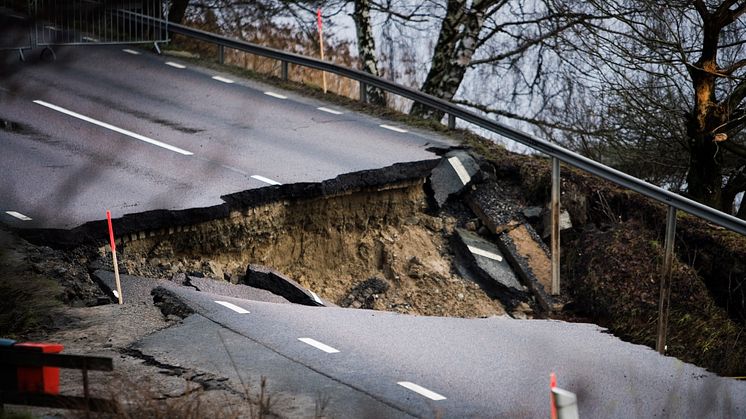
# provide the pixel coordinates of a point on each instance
(552, 385)
(114, 257)
(320, 24)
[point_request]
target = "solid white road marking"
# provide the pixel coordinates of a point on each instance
(265, 180)
(421, 390)
(393, 128)
(113, 128)
(316, 297)
(233, 307)
(318, 345)
(331, 111)
(175, 65)
(277, 95)
(485, 253)
(460, 169)
(131, 51)
(18, 215)
(223, 79)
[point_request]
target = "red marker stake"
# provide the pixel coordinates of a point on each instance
(552, 385)
(320, 24)
(114, 256)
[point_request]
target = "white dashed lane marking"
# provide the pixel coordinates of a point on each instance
(485, 253)
(331, 111)
(233, 307)
(175, 65)
(265, 180)
(393, 128)
(113, 128)
(18, 215)
(223, 79)
(275, 95)
(318, 345)
(421, 390)
(131, 51)
(460, 170)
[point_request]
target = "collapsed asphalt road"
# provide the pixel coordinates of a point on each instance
(379, 364)
(102, 128)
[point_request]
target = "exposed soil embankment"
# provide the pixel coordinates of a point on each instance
(332, 245)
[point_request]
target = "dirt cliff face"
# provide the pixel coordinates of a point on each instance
(331, 245)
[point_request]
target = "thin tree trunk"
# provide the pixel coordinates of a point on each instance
(457, 42)
(177, 11)
(366, 46)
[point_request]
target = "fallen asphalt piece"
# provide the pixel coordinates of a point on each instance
(455, 170)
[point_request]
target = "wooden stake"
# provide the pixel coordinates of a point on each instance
(114, 257)
(321, 45)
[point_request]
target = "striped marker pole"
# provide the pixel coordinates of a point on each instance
(114, 257)
(552, 386)
(320, 24)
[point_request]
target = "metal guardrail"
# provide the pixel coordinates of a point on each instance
(593, 167)
(558, 153)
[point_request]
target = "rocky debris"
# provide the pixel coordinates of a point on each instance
(564, 222)
(455, 170)
(68, 269)
(365, 294)
(487, 262)
(265, 278)
(532, 213)
(170, 304)
(496, 206)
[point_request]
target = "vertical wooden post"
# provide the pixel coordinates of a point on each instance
(665, 297)
(221, 54)
(284, 68)
(555, 216)
(321, 45)
(114, 257)
(363, 92)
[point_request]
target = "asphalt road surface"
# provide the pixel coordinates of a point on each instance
(127, 130)
(381, 364)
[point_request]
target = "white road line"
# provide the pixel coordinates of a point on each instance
(277, 95)
(460, 169)
(113, 128)
(421, 390)
(18, 215)
(485, 253)
(233, 307)
(223, 79)
(265, 180)
(393, 128)
(175, 65)
(316, 297)
(331, 111)
(131, 51)
(318, 345)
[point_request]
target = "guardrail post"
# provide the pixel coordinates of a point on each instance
(363, 92)
(451, 121)
(664, 304)
(555, 216)
(221, 54)
(284, 69)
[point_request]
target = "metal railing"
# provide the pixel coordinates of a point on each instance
(558, 153)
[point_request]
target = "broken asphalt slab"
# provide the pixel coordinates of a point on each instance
(452, 174)
(265, 278)
(488, 263)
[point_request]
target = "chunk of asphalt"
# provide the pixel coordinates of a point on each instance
(455, 170)
(259, 276)
(530, 260)
(134, 288)
(170, 304)
(494, 207)
(488, 262)
(214, 286)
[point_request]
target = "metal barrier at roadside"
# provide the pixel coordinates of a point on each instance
(47, 23)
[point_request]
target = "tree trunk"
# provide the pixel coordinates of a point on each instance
(457, 42)
(366, 46)
(177, 11)
(704, 178)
